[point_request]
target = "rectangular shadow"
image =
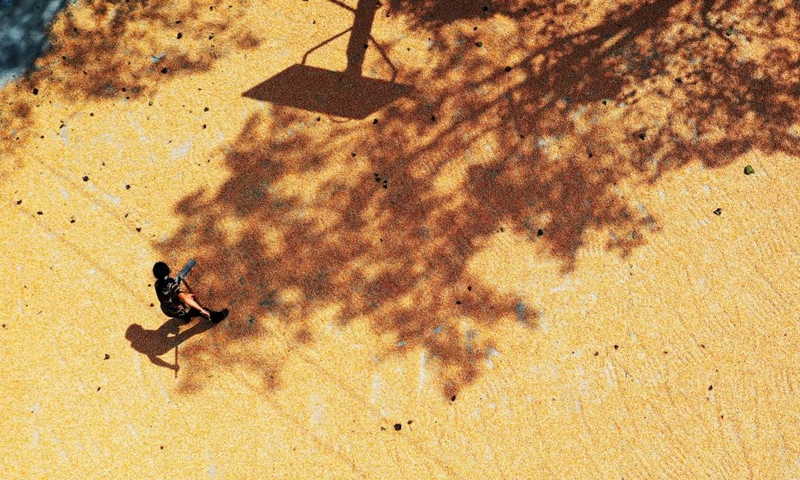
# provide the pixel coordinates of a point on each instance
(324, 91)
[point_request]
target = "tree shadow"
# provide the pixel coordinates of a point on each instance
(527, 133)
(119, 50)
(125, 50)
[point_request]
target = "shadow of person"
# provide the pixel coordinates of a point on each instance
(155, 343)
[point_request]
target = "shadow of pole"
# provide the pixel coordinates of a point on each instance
(359, 36)
(345, 94)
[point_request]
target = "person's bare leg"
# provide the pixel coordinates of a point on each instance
(189, 299)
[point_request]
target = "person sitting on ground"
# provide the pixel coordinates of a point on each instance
(179, 304)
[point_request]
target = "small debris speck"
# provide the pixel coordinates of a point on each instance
(164, 70)
(616, 347)
(479, 44)
(718, 211)
(107, 356)
(453, 398)
(36, 91)
(748, 170)
(85, 178)
(398, 426)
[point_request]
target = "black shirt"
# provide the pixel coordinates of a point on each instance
(167, 291)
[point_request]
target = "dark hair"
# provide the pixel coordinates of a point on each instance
(161, 270)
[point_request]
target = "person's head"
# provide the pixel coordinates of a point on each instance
(161, 270)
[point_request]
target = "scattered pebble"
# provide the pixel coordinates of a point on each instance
(85, 178)
(180, 35)
(718, 211)
(107, 356)
(642, 136)
(508, 68)
(398, 426)
(748, 170)
(164, 70)
(453, 398)
(539, 232)
(36, 91)
(616, 347)
(479, 44)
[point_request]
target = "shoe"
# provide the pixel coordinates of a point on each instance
(217, 317)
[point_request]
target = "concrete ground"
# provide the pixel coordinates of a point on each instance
(457, 239)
